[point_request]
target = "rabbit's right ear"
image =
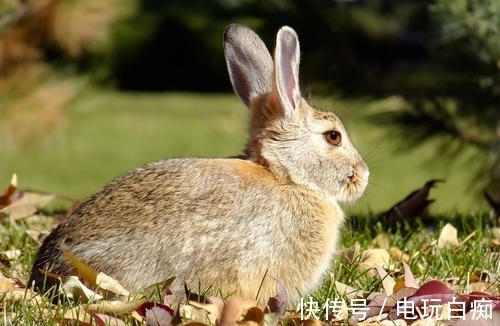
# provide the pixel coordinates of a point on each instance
(249, 63)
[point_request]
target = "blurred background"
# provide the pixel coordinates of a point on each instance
(90, 89)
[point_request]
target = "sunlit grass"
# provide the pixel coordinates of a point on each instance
(427, 262)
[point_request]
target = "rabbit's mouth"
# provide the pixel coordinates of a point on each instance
(355, 183)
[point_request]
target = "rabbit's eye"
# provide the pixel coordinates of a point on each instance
(333, 137)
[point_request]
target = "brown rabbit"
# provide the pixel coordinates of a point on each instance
(224, 223)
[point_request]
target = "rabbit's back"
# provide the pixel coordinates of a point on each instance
(206, 222)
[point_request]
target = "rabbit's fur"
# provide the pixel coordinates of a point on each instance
(226, 223)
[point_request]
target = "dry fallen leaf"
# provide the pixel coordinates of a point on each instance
(399, 255)
(234, 310)
(6, 197)
(412, 206)
(448, 237)
(154, 313)
(78, 316)
(87, 274)
(22, 295)
(348, 291)
(27, 205)
(373, 257)
(108, 283)
(115, 307)
(12, 254)
(158, 316)
(387, 282)
(278, 303)
(74, 289)
(202, 312)
(7, 285)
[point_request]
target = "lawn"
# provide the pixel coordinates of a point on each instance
(107, 133)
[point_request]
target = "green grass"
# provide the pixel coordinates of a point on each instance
(427, 262)
(108, 133)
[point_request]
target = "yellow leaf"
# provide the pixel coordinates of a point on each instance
(87, 274)
(153, 289)
(398, 254)
(372, 257)
(7, 285)
(115, 307)
(21, 295)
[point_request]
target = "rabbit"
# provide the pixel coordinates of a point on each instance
(227, 226)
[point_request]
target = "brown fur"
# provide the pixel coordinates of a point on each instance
(224, 223)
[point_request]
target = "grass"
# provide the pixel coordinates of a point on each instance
(427, 262)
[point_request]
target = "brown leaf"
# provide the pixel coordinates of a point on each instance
(6, 197)
(234, 309)
(399, 255)
(27, 205)
(412, 206)
(254, 314)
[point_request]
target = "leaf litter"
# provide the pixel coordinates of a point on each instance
(403, 299)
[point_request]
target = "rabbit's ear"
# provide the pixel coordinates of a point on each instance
(287, 58)
(249, 63)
